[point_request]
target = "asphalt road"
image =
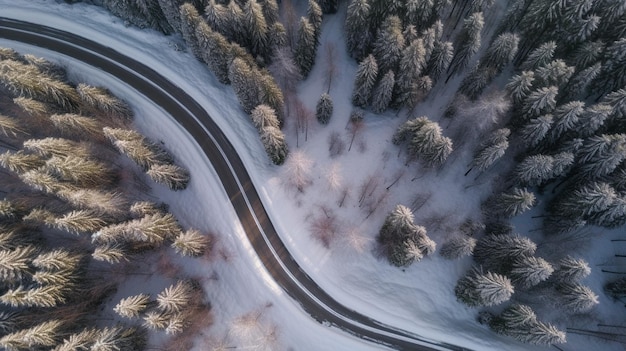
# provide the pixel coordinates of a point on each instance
(233, 176)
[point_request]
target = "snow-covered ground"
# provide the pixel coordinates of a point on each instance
(418, 299)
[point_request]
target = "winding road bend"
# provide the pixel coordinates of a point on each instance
(233, 176)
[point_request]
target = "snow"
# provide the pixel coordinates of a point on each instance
(418, 299)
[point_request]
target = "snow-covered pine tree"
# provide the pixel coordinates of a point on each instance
(245, 82)
(529, 271)
(509, 204)
(101, 100)
(478, 289)
(556, 73)
(191, 243)
(520, 86)
(491, 149)
(520, 322)
(111, 253)
(536, 130)
(219, 18)
(389, 43)
(364, 82)
(171, 11)
(256, 29)
(20, 162)
(170, 175)
(271, 95)
(404, 241)
(592, 119)
(617, 100)
(383, 93)
(270, 11)
(476, 81)
(215, 51)
(324, 108)
(263, 116)
(578, 85)
(613, 75)
(566, 118)
(467, 42)
(573, 209)
(304, 52)
(501, 51)
(358, 36)
(575, 297)
(540, 101)
(440, 59)
(571, 269)
(411, 65)
(497, 252)
(274, 143)
(189, 19)
(418, 13)
(587, 54)
(539, 57)
(314, 15)
(425, 141)
(616, 289)
(600, 155)
(458, 247)
(132, 306)
(534, 170)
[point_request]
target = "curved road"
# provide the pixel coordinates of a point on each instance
(234, 177)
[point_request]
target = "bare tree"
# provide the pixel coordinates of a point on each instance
(298, 171)
(324, 226)
(336, 146)
(355, 125)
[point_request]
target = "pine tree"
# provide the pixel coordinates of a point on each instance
(566, 118)
(20, 162)
(575, 297)
(540, 101)
(134, 145)
(256, 28)
(324, 108)
(458, 247)
(476, 81)
(271, 94)
(132, 306)
(490, 150)
(79, 171)
(364, 82)
(404, 241)
(215, 51)
(100, 99)
(389, 43)
(304, 52)
(418, 12)
(613, 75)
(270, 11)
(499, 251)
(314, 15)
(570, 269)
(111, 253)
(263, 116)
(592, 119)
(383, 93)
(587, 54)
(76, 125)
(600, 155)
(45, 334)
(119, 338)
(329, 6)
(79, 221)
(176, 297)
(530, 271)
(274, 143)
(501, 51)
(510, 204)
(191, 243)
(520, 322)
(358, 36)
(171, 11)
(245, 82)
(578, 86)
(536, 130)
(189, 19)
(14, 264)
(10, 127)
(617, 100)
(440, 59)
(412, 63)
(555, 73)
(467, 42)
(478, 289)
(520, 86)
(539, 57)
(172, 176)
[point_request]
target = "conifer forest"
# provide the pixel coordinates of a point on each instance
(496, 130)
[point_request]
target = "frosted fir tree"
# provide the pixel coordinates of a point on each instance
(499, 251)
(171, 11)
(556, 73)
(587, 54)
(529, 271)
(74, 125)
(176, 297)
(520, 86)
(218, 17)
(593, 118)
(256, 28)
(383, 93)
(191, 243)
(458, 247)
(411, 65)
(20, 162)
(537, 103)
(410, 33)
(132, 306)
(189, 19)
(170, 175)
(571, 269)
(418, 12)
(404, 241)
(111, 253)
(100, 99)
(14, 264)
(509, 204)
(43, 335)
(358, 37)
(440, 59)
(274, 143)
(575, 297)
(324, 109)
(364, 82)
(467, 42)
(271, 94)
(539, 57)
(215, 51)
(490, 150)
(520, 322)
(476, 81)
(501, 51)
(304, 52)
(270, 11)
(478, 289)
(600, 155)
(79, 221)
(617, 100)
(314, 15)
(616, 289)
(245, 82)
(574, 209)
(424, 140)
(579, 84)
(60, 147)
(566, 117)
(614, 216)
(536, 130)
(264, 116)
(534, 170)
(389, 43)
(613, 75)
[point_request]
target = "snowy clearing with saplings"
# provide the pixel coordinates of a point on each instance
(453, 169)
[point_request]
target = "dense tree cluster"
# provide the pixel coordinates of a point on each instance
(404, 241)
(61, 182)
(424, 140)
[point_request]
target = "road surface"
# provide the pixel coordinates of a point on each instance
(233, 176)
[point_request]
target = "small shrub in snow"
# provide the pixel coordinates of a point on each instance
(478, 289)
(324, 109)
